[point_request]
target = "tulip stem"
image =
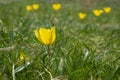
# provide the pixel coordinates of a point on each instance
(48, 47)
(13, 71)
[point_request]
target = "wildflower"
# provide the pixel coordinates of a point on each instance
(56, 6)
(82, 15)
(97, 12)
(28, 7)
(22, 56)
(35, 6)
(107, 9)
(46, 36)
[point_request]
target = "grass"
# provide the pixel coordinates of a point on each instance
(86, 49)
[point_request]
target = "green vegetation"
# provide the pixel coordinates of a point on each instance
(87, 49)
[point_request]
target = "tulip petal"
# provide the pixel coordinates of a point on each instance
(37, 35)
(45, 35)
(53, 35)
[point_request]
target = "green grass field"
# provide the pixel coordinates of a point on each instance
(87, 49)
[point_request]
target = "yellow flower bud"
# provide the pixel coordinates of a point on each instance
(22, 56)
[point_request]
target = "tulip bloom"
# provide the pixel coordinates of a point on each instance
(22, 56)
(97, 12)
(28, 8)
(56, 6)
(107, 9)
(82, 15)
(46, 36)
(35, 6)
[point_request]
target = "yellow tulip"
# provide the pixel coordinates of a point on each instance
(82, 15)
(46, 36)
(35, 6)
(28, 7)
(107, 9)
(22, 56)
(56, 6)
(97, 12)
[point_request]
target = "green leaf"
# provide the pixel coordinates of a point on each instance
(20, 68)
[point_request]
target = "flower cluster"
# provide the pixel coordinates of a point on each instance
(32, 7)
(96, 12)
(57, 6)
(48, 36)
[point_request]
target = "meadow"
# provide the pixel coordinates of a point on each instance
(83, 45)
